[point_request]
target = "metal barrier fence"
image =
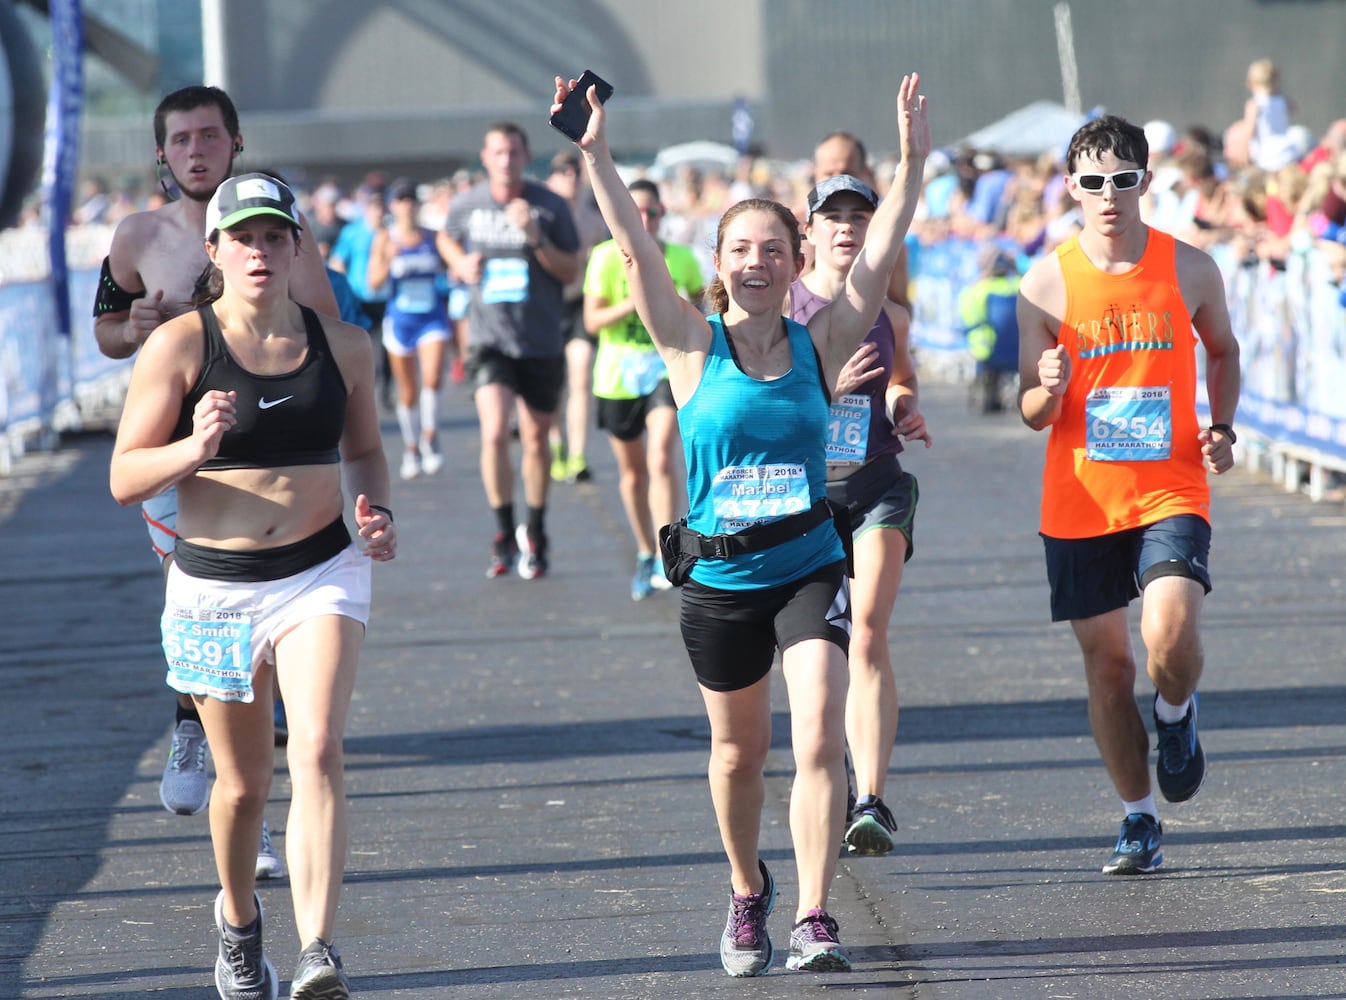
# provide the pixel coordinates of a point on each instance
(1291, 325)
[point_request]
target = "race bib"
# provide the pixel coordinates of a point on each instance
(755, 494)
(415, 295)
(504, 279)
(209, 651)
(848, 429)
(642, 372)
(1128, 424)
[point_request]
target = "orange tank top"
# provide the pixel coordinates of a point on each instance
(1124, 451)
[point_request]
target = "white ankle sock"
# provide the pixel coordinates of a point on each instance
(1145, 805)
(1170, 713)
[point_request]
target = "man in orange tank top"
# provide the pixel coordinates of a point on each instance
(1108, 326)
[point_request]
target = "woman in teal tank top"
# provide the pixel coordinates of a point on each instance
(749, 386)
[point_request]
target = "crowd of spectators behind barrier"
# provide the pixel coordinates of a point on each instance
(1264, 186)
(1206, 189)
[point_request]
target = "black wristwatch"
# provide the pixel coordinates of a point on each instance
(1227, 431)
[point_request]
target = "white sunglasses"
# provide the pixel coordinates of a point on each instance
(1122, 180)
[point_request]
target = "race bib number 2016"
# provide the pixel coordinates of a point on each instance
(209, 651)
(1128, 424)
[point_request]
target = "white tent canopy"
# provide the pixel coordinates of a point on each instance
(1033, 129)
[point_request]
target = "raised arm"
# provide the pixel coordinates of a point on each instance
(851, 314)
(674, 325)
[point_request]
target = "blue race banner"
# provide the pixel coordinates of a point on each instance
(61, 156)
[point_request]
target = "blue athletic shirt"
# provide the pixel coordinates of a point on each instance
(419, 298)
(755, 453)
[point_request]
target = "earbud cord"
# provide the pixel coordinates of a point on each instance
(159, 170)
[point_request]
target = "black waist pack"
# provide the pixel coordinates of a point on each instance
(863, 487)
(680, 546)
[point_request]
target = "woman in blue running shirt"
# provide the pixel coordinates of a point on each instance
(416, 329)
(753, 407)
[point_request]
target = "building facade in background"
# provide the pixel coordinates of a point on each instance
(343, 86)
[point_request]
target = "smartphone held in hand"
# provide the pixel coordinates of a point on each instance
(573, 118)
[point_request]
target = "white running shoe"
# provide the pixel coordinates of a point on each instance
(269, 864)
(411, 465)
(431, 460)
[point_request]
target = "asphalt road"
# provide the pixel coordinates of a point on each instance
(526, 760)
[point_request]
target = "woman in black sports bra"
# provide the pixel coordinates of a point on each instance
(254, 407)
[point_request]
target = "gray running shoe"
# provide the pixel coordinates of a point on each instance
(814, 946)
(745, 946)
(185, 788)
(319, 975)
(269, 864)
(870, 831)
(242, 970)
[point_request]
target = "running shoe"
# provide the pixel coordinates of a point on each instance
(745, 945)
(411, 465)
(242, 970)
(814, 946)
(431, 460)
(504, 552)
(658, 578)
(269, 864)
(280, 723)
(642, 584)
(1181, 767)
(532, 553)
(185, 788)
(871, 828)
(319, 975)
(1139, 848)
(577, 469)
(560, 468)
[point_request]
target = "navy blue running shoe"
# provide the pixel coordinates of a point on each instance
(1181, 767)
(1139, 847)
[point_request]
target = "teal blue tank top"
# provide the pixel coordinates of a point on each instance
(756, 452)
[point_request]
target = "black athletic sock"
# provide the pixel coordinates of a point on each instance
(190, 714)
(536, 516)
(504, 520)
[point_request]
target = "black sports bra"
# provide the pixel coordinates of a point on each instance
(292, 419)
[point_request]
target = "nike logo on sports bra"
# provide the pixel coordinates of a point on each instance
(265, 404)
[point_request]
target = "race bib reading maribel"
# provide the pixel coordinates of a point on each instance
(745, 495)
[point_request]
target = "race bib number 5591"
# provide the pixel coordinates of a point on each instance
(209, 650)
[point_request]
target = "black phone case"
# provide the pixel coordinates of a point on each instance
(573, 118)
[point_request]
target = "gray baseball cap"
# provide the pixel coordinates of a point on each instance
(247, 196)
(832, 186)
